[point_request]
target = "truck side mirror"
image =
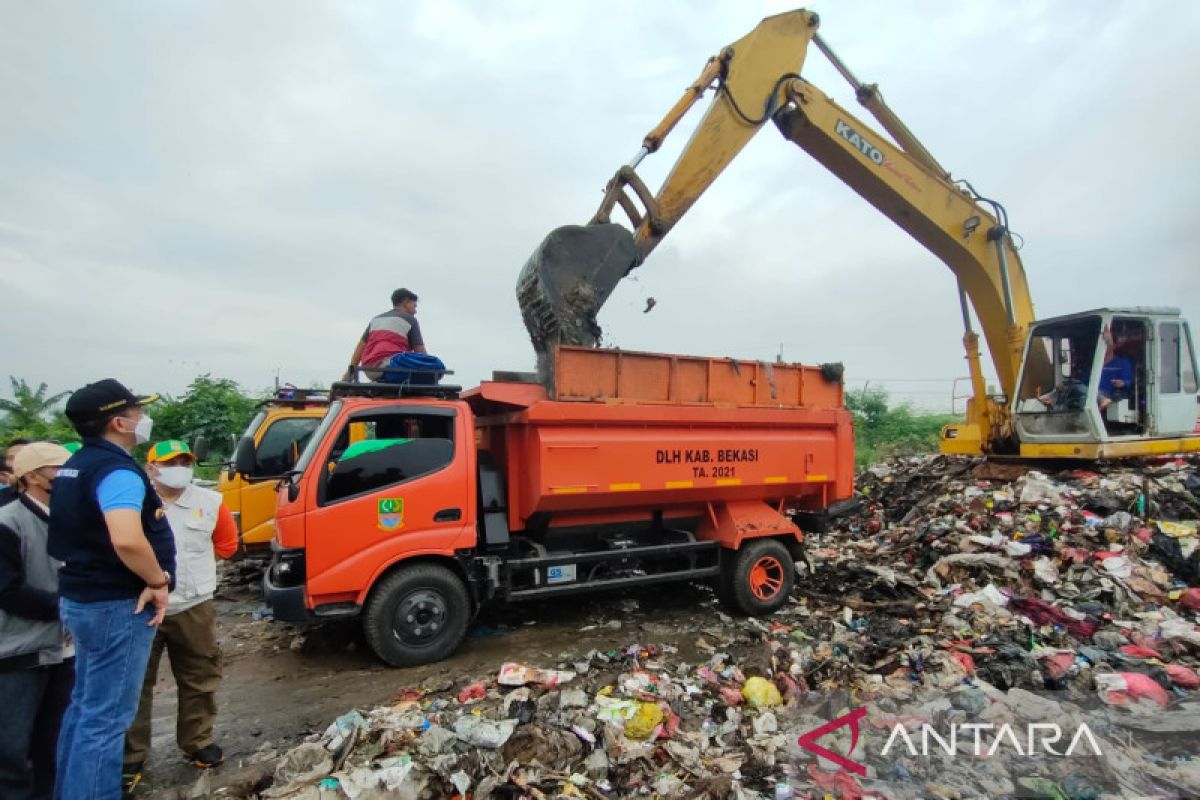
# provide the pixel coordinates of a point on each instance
(245, 458)
(200, 448)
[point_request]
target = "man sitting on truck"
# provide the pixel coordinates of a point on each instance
(388, 334)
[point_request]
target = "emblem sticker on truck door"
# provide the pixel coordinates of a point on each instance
(391, 513)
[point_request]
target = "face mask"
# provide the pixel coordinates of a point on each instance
(174, 477)
(141, 431)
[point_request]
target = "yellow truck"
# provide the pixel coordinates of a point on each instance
(280, 430)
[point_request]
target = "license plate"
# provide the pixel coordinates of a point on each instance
(562, 574)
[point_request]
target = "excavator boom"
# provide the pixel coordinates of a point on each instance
(756, 80)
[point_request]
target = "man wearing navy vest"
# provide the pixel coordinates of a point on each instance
(109, 529)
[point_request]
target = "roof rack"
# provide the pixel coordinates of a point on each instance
(351, 389)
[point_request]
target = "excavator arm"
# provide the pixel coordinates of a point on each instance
(757, 80)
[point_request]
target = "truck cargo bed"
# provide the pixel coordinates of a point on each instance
(590, 374)
(630, 433)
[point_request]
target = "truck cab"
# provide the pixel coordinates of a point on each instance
(379, 481)
(1101, 382)
(280, 430)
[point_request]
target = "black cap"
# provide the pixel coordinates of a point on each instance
(103, 398)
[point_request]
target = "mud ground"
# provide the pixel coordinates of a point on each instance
(283, 682)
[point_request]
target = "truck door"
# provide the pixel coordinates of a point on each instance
(395, 482)
(280, 441)
(1176, 413)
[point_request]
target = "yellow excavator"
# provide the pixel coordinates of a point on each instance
(1105, 383)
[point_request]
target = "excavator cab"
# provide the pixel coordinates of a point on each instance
(1099, 382)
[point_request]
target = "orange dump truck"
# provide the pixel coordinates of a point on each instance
(411, 507)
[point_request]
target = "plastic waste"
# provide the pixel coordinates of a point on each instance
(341, 728)
(514, 674)
(761, 693)
(303, 765)
(1118, 566)
(1183, 677)
(475, 691)
(988, 594)
(1120, 688)
(644, 721)
(484, 732)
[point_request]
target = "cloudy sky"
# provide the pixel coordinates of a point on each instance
(236, 187)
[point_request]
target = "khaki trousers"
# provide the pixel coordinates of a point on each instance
(190, 640)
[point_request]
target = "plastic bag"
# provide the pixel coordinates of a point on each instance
(513, 674)
(1118, 688)
(1191, 599)
(484, 732)
(988, 594)
(761, 693)
(415, 369)
(644, 721)
(1183, 677)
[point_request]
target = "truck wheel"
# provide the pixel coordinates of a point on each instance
(758, 578)
(417, 615)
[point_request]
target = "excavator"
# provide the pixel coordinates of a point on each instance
(1105, 383)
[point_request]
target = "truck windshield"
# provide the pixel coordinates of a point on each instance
(282, 442)
(318, 436)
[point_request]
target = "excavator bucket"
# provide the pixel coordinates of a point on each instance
(565, 282)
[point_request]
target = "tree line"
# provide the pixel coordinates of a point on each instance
(883, 430)
(216, 408)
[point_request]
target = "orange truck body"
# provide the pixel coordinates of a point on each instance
(631, 433)
(679, 459)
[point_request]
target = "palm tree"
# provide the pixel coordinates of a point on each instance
(29, 407)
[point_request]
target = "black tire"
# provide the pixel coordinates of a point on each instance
(417, 615)
(758, 578)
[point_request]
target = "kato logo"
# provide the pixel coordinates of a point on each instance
(862, 145)
(391, 513)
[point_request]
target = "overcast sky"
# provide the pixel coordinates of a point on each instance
(236, 187)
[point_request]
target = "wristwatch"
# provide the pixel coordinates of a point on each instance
(166, 581)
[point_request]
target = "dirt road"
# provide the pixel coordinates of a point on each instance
(282, 683)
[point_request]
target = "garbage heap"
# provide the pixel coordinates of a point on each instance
(959, 598)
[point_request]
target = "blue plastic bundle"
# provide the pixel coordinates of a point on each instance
(414, 369)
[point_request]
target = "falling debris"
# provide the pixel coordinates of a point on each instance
(650, 303)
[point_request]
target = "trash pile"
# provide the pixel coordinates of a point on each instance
(962, 610)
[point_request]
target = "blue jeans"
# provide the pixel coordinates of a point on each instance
(112, 646)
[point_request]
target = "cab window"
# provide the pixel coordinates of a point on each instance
(1168, 364)
(377, 450)
(282, 442)
(1187, 361)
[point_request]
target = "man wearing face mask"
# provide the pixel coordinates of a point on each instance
(110, 530)
(36, 666)
(8, 483)
(204, 530)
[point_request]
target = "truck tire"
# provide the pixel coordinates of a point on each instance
(417, 615)
(758, 578)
